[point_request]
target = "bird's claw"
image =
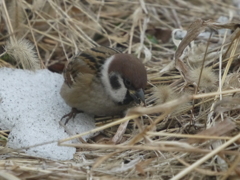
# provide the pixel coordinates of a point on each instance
(71, 115)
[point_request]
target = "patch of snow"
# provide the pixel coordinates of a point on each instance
(31, 108)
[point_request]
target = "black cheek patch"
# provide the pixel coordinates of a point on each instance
(127, 100)
(114, 82)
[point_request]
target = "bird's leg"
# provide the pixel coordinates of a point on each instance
(70, 115)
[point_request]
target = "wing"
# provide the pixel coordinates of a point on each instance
(87, 62)
(95, 57)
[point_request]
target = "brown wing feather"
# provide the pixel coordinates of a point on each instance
(88, 62)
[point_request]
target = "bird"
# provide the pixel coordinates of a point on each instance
(103, 81)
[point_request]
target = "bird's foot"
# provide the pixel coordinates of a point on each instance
(71, 115)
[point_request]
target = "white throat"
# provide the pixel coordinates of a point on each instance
(117, 95)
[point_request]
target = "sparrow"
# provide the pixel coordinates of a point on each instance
(103, 81)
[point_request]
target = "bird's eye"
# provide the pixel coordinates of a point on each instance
(127, 83)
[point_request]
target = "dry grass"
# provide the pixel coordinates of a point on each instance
(194, 134)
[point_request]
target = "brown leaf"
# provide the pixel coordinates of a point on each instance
(237, 171)
(219, 129)
(227, 104)
(214, 25)
(139, 169)
(163, 35)
(57, 67)
(192, 32)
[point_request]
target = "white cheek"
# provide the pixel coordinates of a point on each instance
(117, 95)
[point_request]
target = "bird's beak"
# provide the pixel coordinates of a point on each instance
(138, 96)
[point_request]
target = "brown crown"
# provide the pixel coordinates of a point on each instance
(130, 68)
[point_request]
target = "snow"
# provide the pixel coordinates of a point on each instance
(31, 108)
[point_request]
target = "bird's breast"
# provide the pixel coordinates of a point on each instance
(91, 98)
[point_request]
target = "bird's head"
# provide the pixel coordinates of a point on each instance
(125, 78)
